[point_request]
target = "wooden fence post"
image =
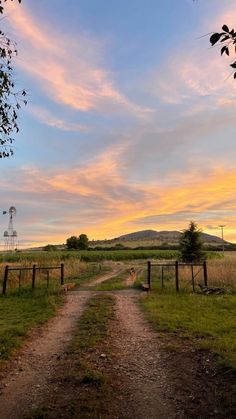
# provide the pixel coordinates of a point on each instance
(5, 280)
(193, 285)
(33, 276)
(177, 276)
(162, 277)
(205, 273)
(149, 274)
(47, 278)
(20, 276)
(62, 273)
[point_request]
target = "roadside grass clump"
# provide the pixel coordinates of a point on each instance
(20, 313)
(93, 324)
(210, 321)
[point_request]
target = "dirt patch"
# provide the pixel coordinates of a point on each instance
(200, 386)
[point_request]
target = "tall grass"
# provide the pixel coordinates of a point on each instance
(74, 270)
(221, 273)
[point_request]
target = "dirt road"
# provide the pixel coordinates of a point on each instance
(144, 385)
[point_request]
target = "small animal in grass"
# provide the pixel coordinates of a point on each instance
(66, 287)
(132, 274)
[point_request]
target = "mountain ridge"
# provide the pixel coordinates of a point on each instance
(158, 236)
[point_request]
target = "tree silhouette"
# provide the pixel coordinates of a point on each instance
(191, 245)
(227, 40)
(10, 98)
(80, 243)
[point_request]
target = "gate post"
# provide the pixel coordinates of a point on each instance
(149, 274)
(5, 280)
(177, 276)
(205, 273)
(33, 276)
(62, 273)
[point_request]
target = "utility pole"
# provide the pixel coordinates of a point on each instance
(222, 236)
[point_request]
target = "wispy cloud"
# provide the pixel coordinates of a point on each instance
(68, 71)
(196, 71)
(46, 117)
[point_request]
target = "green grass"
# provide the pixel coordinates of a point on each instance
(20, 313)
(114, 283)
(87, 255)
(93, 325)
(208, 320)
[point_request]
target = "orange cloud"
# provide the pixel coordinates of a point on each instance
(100, 197)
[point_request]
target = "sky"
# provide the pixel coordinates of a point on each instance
(130, 122)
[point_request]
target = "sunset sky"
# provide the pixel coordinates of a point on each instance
(130, 123)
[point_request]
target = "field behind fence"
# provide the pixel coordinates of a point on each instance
(220, 273)
(74, 270)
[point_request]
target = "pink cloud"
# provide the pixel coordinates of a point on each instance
(67, 70)
(47, 118)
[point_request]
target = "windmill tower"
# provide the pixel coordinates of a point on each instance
(10, 235)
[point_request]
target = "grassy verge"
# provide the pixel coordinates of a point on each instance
(207, 320)
(20, 313)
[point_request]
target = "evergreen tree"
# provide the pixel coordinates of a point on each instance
(191, 245)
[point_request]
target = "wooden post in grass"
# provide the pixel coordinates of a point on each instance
(205, 273)
(62, 273)
(149, 274)
(193, 285)
(5, 280)
(33, 276)
(162, 277)
(20, 276)
(47, 278)
(177, 276)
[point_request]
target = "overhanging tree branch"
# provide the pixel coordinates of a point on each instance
(227, 38)
(10, 99)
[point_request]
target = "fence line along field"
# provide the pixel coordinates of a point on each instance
(74, 270)
(80, 265)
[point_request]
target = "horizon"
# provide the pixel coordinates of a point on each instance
(130, 121)
(114, 238)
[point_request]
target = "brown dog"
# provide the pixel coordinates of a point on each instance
(66, 287)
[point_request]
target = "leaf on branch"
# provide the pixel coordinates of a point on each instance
(215, 38)
(225, 38)
(225, 49)
(225, 28)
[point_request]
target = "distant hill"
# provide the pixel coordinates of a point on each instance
(152, 237)
(165, 235)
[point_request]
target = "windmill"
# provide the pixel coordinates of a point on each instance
(10, 235)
